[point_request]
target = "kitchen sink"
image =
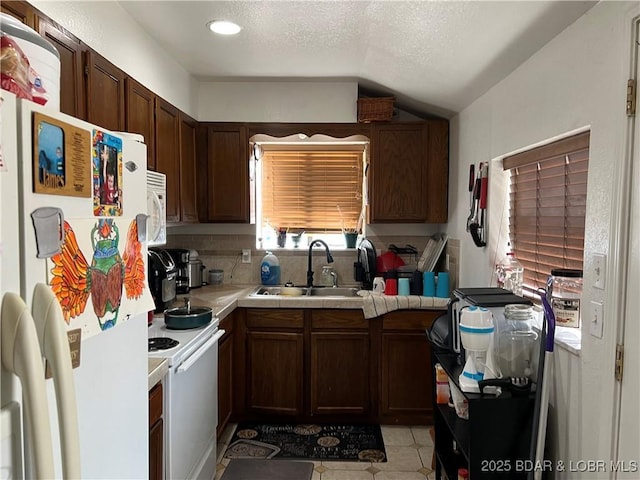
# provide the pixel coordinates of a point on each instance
(333, 292)
(341, 292)
(278, 290)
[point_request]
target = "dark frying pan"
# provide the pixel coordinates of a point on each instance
(185, 318)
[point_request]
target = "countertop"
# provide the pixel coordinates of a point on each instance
(224, 299)
(158, 368)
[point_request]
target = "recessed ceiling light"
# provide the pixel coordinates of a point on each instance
(224, 27)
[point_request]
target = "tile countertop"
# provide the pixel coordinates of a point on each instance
(158, 368)
(224, 299)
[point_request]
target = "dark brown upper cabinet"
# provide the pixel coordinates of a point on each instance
(105, 93)
(167, 132)
(408, 172)
(226, 163)
(139, 116)
(188, 195)
(22, 11)
(71, 50)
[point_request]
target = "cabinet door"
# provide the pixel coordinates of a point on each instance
(22, 11)
(188, 203)
(340, 373)
(155, 451)
(438, 171)
(71, 49)
(155, 432)
(275, 373)
(228, 174)
(139, 117)
(406, 377)
(225, 383)
(167, 130)
(398, 173)
(105, 93)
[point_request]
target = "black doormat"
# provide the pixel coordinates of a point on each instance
(309, 442)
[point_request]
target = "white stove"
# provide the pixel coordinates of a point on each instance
(190, 398)
(188, 340)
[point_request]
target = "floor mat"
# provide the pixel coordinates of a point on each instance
(309, 442)
(255, 469)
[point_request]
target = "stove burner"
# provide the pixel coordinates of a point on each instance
(162, 343)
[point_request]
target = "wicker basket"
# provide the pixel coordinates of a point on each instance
(375, 109)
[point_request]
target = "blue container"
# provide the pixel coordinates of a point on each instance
(429, 284)
(270, 270)
(442, 289)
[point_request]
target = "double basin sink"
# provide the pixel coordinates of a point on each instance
(318, 292)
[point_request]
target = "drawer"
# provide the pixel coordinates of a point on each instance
(155, 404)
(410, 319)
(338, 319)
(275, 318)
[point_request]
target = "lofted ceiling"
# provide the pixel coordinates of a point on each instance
(434, 56)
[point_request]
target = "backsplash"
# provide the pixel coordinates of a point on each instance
(224, 252)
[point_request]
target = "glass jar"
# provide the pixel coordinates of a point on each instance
(564, 287)
(510, 274)
(517, 342)
(326, 278)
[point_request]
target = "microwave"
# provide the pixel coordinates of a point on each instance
(156, 208)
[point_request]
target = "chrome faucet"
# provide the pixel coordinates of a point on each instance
(309, 271)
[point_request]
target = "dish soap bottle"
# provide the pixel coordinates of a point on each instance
(510, 274)
(270, 269)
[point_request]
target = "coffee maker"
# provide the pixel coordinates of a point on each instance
(162, 278)
(180, 257)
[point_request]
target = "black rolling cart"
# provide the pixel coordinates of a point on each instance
(494, 443)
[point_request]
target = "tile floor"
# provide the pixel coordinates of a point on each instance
(409, 454)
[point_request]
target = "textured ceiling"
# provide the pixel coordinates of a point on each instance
(435, 56)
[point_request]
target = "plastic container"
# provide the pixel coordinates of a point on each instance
(510, 274)
(442, 386)
(43, 58)
(216, 277)
(565, 289)
(270, 269)
(517, 342)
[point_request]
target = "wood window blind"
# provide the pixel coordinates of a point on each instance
(303, 188)
(548, 197)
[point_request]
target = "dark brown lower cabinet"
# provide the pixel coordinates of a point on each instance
(155, 433)
(340, 363)
(274, 362)
(407, 380)
(225, 382)
(332, 365)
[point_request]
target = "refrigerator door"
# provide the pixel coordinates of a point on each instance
(102, 234)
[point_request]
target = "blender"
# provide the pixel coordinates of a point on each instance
(476, 333)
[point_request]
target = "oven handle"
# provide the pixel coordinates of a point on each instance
(201, 351)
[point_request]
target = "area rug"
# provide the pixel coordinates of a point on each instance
(307, 442)
(255, 469)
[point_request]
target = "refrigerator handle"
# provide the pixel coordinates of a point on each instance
(54, 345)
(201, 351)
(21, 355)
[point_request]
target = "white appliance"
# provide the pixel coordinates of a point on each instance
(190, 397)
(157, 208)
(477, 333)
(100, 221)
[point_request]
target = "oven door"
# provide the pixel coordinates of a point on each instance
(191, 398)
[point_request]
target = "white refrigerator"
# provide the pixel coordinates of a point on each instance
(85, 190)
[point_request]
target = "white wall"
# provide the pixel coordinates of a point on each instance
(107, 29)
(278, 101)
(577, 81)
